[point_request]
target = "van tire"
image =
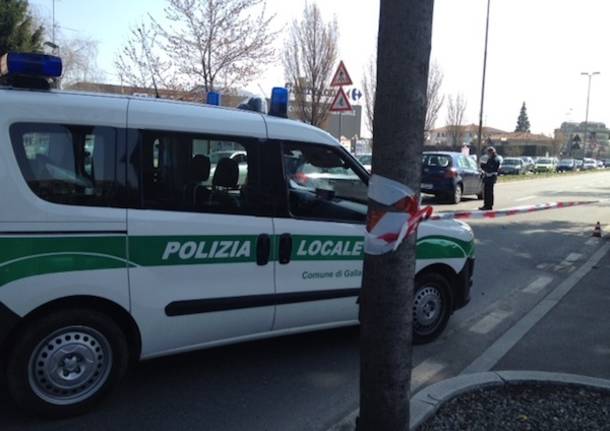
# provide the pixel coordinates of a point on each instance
(431, 307)
(47, 381)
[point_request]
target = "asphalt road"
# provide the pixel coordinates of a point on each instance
(310, 381)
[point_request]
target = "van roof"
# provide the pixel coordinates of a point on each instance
(277, 128)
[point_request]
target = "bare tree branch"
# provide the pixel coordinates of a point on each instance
(310, 54)
(218, 44)
(433, 94)
(141, 63)
(369, 82)
(435, 99)
(456, 106)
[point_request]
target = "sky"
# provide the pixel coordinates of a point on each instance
(537, 50)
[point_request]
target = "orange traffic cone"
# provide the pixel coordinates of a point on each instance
(597, 231)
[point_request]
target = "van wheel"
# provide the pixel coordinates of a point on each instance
(65, 362)
(431, 307)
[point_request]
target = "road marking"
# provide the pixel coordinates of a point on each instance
(537, 285)
(424, 372)
(573, 257)
(506, 342)
(489, 322)
(592, 241)
(526, 198)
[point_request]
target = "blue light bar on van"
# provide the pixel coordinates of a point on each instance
(214, 98)
(34, 65)
(279, 102)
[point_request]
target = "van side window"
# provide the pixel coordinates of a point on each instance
(187, 172)
(66, 164)
(323, 185)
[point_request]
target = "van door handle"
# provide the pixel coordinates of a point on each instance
(263, 249)
(285, 248)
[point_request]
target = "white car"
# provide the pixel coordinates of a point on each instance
(366, 160)
(589, 164)
(545, 165)
(125, 235)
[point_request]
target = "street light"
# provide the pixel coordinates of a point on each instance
(479, 143)
(589, 75)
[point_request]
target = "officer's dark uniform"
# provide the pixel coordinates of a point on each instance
(490, 175)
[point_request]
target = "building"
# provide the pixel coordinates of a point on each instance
(571, 138)
(516, 144)
(442, 137)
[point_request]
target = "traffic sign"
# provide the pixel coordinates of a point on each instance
(341, 102)
(355, 94)
(341, 77)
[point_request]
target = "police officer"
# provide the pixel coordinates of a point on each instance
(490, 175)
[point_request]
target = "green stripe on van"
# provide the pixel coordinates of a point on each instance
(22, 257)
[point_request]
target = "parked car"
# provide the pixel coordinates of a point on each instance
(606, 163)
(545, 165)
(450, 175)
(513, 166)
(579, 164)
(528, 163)
(589, 164)
(567, 165)
(366, 160)
(600, 164)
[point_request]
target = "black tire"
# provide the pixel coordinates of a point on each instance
(431, 307)
(480, 194)
(96, 362)
(456, 196)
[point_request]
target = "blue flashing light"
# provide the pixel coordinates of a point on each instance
(279, 102)
(34, 65)
(214, 98)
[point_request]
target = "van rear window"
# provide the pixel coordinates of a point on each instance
(74, 165)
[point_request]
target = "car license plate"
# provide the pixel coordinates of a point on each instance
(425, 186)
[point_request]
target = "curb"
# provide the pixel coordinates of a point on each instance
(425, 403)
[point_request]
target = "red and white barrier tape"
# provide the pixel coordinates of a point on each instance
(471, 215)
(395, 215)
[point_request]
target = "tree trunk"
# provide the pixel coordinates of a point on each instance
(405, 30)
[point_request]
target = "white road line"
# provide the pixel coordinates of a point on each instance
(424, 372)
(592, 241)
(489, 322)
(573, 257)
(526, 198)
(506, 342)
(537, 285)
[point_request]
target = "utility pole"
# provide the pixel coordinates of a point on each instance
(479, 142)
(386, 298)
(589, 75)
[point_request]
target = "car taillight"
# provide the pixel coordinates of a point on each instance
(451, 173)
(301, 178)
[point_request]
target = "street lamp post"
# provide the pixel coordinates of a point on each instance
(589, 75)
(479, 143)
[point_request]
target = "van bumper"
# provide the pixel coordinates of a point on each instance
(464, 286)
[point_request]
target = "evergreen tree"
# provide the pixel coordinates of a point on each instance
(523, 123)
(18, 31)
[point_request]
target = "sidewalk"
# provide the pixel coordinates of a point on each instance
(574, 337)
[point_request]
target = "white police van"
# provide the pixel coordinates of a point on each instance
(126, 234)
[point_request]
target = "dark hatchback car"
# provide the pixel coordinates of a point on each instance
(449, 176)
(567, 165)
(513, 166)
